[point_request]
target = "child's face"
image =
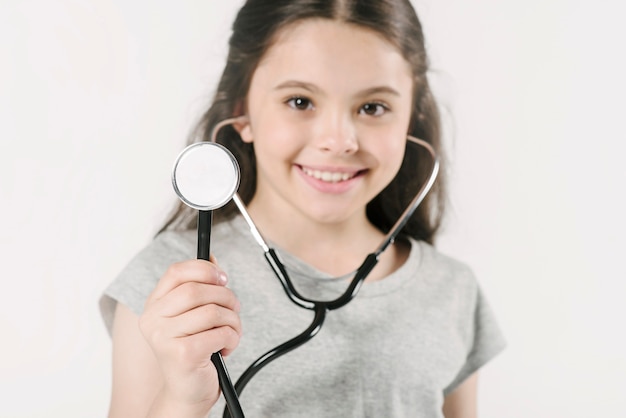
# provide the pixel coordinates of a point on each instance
(328, 108)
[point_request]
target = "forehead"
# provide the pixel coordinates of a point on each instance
(318, 49)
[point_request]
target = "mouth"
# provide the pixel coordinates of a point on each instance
(330, 176)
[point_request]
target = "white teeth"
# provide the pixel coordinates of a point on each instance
(328, 176)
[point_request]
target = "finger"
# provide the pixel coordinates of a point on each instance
(190, 295)
(200, 271)
(203, 318)
(202, 345)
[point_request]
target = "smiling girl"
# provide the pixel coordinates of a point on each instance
(326, 92)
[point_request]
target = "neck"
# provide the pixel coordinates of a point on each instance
(334, 248)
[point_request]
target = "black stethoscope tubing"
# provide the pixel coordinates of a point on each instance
(320, 308)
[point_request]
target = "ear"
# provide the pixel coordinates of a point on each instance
(242, 125)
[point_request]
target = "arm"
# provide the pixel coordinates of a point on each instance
(461, 403)
(161, 360)
(135, 369)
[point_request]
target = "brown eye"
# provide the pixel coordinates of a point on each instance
(300, 103)
(373, 109)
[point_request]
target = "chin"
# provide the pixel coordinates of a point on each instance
(330, 217)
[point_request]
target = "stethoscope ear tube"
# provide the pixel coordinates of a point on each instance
(205, 217)
(322, 307)
(205, 220)
(205, 177)
(228, 390)
(417, 200)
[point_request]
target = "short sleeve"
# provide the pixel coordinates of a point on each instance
(137, 280)
(487, 341)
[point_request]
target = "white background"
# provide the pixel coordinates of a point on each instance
(96, 99)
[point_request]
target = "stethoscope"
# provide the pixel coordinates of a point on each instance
(206, 177)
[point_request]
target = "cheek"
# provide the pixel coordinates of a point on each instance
(275, 141)
(391, 149)
(392, 156)
(399, 158)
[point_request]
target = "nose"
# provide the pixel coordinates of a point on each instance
(337, 134)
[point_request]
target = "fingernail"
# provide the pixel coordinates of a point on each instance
(222, 278)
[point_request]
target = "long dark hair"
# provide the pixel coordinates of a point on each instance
(253, 33)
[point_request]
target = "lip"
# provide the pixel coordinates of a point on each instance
(332, 180)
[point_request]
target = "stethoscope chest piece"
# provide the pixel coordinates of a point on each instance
(205, 176)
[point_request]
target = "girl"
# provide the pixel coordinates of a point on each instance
(326, 92)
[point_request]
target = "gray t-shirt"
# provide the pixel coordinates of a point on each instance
(394, 351)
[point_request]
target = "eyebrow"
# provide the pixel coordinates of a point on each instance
(380, 89)
(295, 83)
(314, 89)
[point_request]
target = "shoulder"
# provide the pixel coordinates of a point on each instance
(231, 241)
(138, 278)
(443, 268)
(179, 242)
(469, 320)
(452, 286)
(172, 246)
(166, 248)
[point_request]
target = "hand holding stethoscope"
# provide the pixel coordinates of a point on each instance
(206, 177)
(191, 315)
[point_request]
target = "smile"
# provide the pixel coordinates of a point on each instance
(328, 176)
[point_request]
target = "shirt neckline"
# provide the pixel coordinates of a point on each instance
(301, 271)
